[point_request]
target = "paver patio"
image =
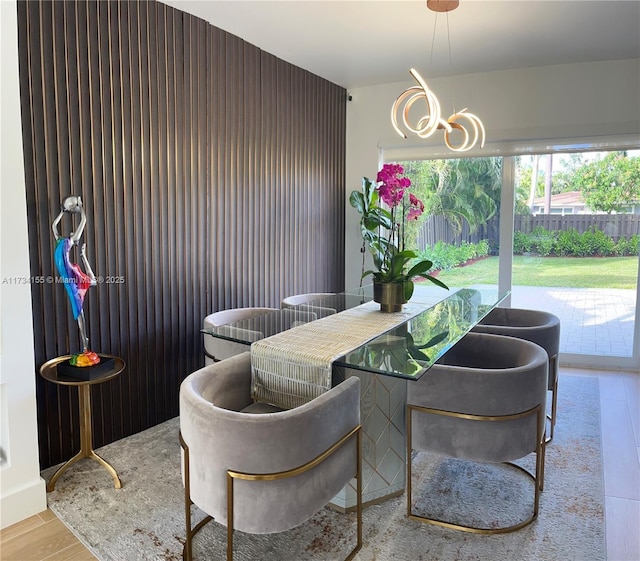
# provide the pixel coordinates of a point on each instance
(596, 321)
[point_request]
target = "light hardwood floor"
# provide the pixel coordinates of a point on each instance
(44, 537)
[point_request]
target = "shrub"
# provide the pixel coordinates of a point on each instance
(446, 256)
(521, 243)
(482, 248)
(568, 243)
(542, 241)
(629, 246)
(596, 242)
(571, 243)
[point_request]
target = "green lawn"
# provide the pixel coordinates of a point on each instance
(573, 272)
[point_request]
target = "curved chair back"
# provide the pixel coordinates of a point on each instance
(482, 375)
(298, 299)
(537, 326)
(483, 401)
(219, 349)
(219, 437)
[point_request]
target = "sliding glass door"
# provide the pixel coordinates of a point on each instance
(561, 230)
(575, 249)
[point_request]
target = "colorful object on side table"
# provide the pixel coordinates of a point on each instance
(76, 281)
(87, 358)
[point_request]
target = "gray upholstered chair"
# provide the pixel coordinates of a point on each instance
(542, 328)
(258, 469)
(216, 349)
(298, 299)
(484, 400)
(317, 303)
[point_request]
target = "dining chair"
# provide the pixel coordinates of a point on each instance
(317, 303)
(256, 468)
(298, 299)
(483, 401)
(537, 326)
(216, 349)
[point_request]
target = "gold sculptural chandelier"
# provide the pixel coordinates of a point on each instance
(432, 120)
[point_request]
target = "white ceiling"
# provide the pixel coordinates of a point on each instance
(356, 43)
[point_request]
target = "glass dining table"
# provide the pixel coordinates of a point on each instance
(385, 363)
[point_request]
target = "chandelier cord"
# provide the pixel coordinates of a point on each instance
(449, 42)
(453, 104)
(433, 41)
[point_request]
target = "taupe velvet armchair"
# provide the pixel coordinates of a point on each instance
(311, 302)
(255, 468)
(537, 326)
(218, 349)
(298, 299)
(484, 400)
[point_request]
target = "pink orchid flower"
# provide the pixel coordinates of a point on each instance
(416, 207)
(392, 187)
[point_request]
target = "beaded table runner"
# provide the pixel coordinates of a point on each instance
(294, 366)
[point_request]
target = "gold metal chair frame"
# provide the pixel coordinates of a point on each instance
(187, 552)
(553, 364)
(538, 477)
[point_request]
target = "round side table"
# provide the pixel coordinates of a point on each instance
(49, 371)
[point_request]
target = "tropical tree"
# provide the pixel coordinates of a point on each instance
(609, 184)
(563, 174)
(461, 190)
(533, 184)
(532, 179)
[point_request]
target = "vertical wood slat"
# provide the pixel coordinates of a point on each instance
(212, 174)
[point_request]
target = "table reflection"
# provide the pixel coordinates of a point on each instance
(410, 349)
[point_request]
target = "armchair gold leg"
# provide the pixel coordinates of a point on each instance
(229, 517)
(187, 551)
(553, 365)
(358, 499)
(537, 478)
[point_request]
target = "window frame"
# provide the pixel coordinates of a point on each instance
(508, 150)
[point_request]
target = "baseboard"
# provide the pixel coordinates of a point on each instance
(23, 503)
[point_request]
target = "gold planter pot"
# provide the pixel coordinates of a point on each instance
(390, 296)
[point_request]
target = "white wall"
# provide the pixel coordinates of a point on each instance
(570, 101)
(22, 490)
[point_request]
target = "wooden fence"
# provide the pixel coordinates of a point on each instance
(616, 226)
(438, 228)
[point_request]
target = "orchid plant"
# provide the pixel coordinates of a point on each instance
(383, 228)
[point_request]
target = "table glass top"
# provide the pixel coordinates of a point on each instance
(406, 351)
(409, 350)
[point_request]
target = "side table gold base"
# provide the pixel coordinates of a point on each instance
(79, 456)
(49, 372)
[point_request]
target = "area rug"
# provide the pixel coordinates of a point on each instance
(144, 520)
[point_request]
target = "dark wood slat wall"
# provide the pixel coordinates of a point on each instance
(212, 174)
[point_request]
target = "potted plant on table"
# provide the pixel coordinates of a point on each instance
(383, 232)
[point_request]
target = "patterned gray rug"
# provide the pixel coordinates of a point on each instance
(144, 520)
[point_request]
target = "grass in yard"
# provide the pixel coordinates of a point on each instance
(572, 272)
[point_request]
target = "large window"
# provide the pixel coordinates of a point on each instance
(561, 230)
